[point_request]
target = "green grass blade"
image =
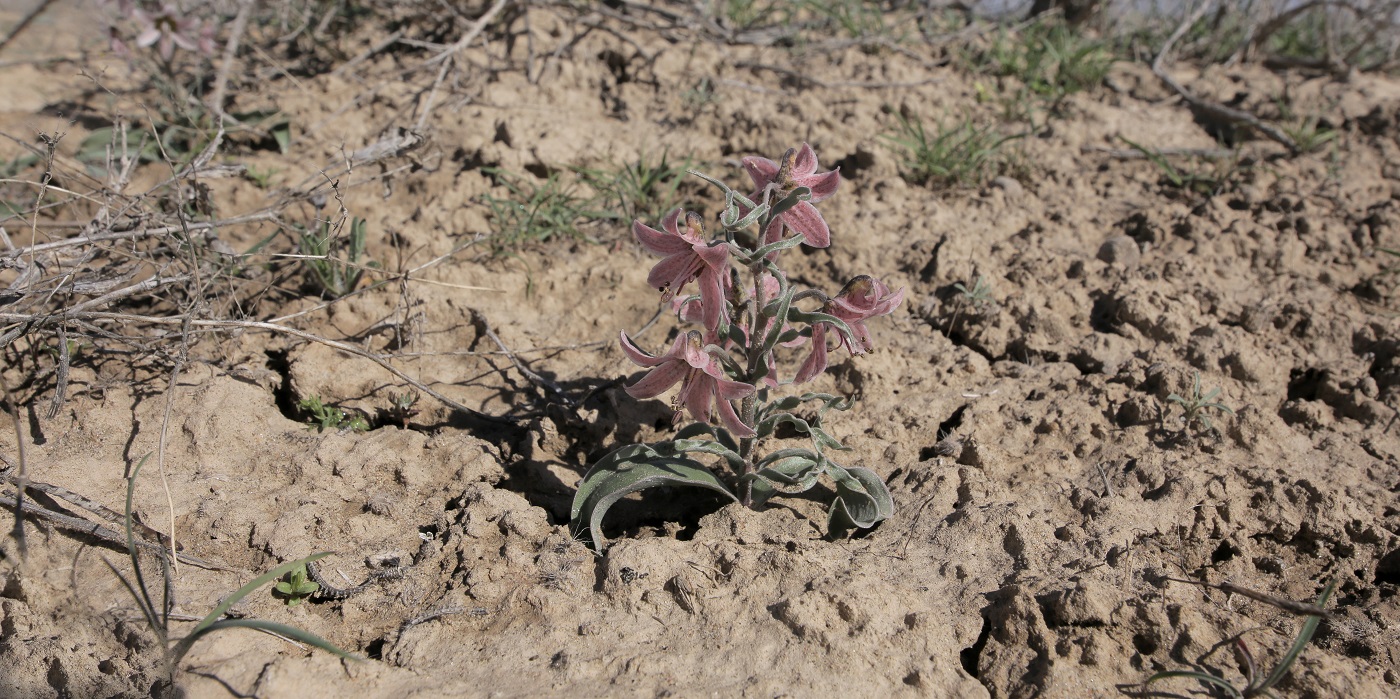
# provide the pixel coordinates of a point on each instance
(291, 632)
(1198, 676)
(257, 582)
(147, 604)
(1305, 635)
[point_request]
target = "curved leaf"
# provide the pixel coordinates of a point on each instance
(862, 500)
(616, 476)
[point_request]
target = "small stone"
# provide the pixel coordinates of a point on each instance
(1008, 185)
(1120, 250)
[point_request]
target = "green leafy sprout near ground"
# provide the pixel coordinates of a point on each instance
(324, 417)
(331, 275)
(159, 618)
(1197, 405)
(1256, 684)
(959, 155)
(295, 586)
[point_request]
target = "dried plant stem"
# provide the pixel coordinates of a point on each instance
(272, 327)
(240, 24)
(1213, 109)
(21, 478)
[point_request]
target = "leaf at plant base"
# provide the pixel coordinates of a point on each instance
(628, 470)
(862, 501)
(788, 475)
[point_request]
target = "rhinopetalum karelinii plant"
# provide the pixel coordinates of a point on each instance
(730, 383)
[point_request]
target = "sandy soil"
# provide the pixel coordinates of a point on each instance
(1028, 556)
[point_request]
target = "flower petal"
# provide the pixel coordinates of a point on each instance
(656, 242)
(674, 272)
(805, 220)
(806, 162)
(696, 395)
(637, 355)
(658, 380)
(823, 185)
(761, 170)
(732, 421)
(732, 390)
(816, 361)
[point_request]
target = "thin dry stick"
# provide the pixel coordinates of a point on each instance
(84, 502)
(333, 344)
(24, 22)
(1214, 109)
(94, 529)
(240, 24)
(1287, 605)
(164, 429)
(448, 57)
(21, 478)
(470, 36)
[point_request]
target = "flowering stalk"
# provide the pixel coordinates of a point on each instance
(732, 356)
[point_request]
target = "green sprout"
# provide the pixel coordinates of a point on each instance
(324, 417)
(332, 276)
(1255, 684)
(1197, 404)
(296, 587)
(401, 408)
(978, 296)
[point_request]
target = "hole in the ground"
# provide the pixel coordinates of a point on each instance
(970, 655)
(1303, 384)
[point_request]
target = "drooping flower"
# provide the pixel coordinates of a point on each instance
(688, 256)
(169, 29)
(702, 379)
(797, 169)
(864, 297)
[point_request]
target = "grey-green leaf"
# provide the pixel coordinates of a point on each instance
(614, 477)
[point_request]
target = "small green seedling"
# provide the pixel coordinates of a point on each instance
(332, 276)
(295, 587)
(1255, 685)
(536, 211)
(260, 176)
(978, 296)
(1197, 404)
(1309, 135)
(401, 408)
(159, 617)
(328, 417)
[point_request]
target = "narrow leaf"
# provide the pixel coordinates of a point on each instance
(291, 632)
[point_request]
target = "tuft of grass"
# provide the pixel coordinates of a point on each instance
(535, 211)
(1050, 59)
(1206, 179)
(158, 618)
(1197, 405)
(1256, 683)
(963, 154)
(331, 275)
(642, 190)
